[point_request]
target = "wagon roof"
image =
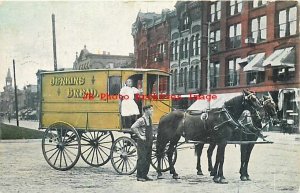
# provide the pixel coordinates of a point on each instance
(111, 69)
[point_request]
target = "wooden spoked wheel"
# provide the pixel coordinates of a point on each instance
(165, 166)
(124, 155)
(96, 146)
(61, 146)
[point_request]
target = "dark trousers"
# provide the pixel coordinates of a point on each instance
(144, 150)
(127, 121)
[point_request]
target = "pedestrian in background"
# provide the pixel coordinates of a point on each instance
(143, 129)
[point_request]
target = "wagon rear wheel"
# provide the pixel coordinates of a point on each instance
(124, 155)
(96, 146)
(165, 166)
(61, 146)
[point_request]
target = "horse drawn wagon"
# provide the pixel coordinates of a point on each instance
(80, 112)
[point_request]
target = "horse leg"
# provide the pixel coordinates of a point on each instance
(198, 151)
(249, 150)
(210, 151)
(170, 153)
(243, 162)
(160, 148)
(219, 177)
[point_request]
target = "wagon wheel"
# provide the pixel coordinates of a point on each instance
(124, 155)
(165, 163)
(61, 146)
(96, 146)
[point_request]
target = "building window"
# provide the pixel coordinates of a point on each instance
(235, 35)
(258, 3)
(233, 69)
(259, 29)
(197, 45)
(255, 77)
(186, 46)
(172, 51)
(185, 20)
(191, 75)
(192, 46)
(185, 78)
(215, 38)
(181, 78)
(181, 49)
(197, 73)
(215, 11)
(214, 74)
(235, 7)
(175, 80)
(287, 22)
(176, 50)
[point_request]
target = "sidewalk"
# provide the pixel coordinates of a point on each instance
(23, 123)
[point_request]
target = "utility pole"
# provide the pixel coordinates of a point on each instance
(208, 61)
(16, 95)
(54, 42)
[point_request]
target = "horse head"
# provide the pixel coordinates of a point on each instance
(251, 100)
(269, 107)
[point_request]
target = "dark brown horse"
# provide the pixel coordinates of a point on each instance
(252, 134)
(215, 126)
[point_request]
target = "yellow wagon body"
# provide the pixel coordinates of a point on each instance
(87, 100)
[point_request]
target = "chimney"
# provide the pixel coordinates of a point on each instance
(104, 52)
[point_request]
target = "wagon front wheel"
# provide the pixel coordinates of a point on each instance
(96, 146)
(124, 155)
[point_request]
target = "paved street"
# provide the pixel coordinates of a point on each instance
(273, 168)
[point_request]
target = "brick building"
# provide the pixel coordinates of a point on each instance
(151, 34)
(252, 45)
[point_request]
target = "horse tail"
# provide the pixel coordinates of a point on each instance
(167, 130)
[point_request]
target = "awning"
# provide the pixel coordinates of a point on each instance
(282, 57)
(256, 63)
(202, 105)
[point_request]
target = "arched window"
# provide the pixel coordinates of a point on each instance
(181, 78)
(176, 50)
(197, 45)
(181, 50)
(172, 51)
(192, 46)
(191, 74)
(197, 76)
(175, 80)
(185, 78)
(186, 46)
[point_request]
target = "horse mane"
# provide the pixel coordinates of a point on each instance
(234, 106)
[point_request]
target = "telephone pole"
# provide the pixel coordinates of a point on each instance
(54, 42)
(16, 95)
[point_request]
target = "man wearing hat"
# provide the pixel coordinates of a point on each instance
(143, 129)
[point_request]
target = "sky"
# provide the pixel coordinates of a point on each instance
(26, 32)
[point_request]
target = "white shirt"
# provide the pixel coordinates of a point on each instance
(128, 105)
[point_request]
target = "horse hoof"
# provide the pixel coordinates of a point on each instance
(159, 176)
(216, 179)
(176, 177)
(223, 180)
(200, 173)
(243, 178)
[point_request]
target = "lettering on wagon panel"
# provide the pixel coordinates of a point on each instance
(80, 93)
(65, 81)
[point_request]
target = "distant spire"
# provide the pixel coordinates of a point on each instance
(8, 74)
